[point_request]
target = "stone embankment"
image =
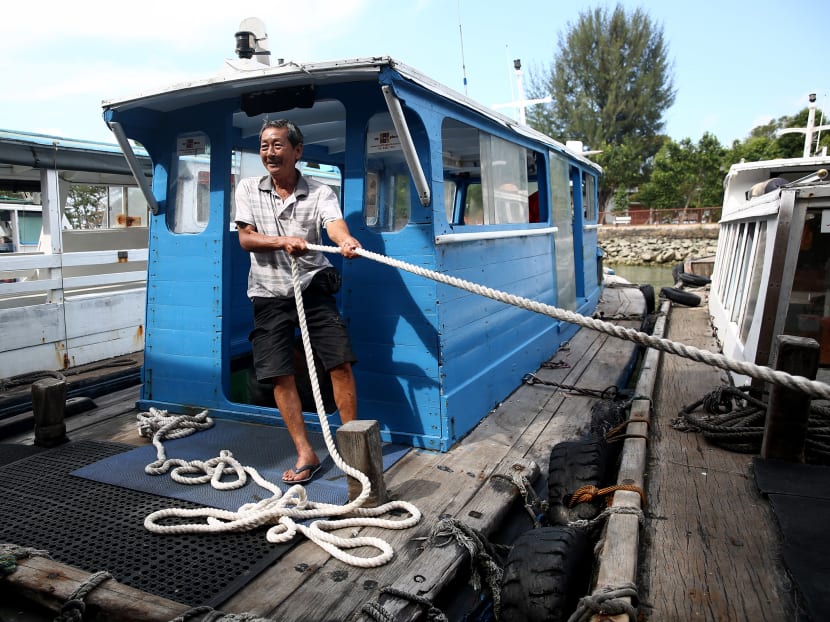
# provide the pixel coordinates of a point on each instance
(654, 244)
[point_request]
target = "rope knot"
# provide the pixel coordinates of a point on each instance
(586, 494)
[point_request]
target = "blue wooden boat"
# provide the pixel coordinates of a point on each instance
(426, 176)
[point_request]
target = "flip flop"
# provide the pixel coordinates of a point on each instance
(313, 468)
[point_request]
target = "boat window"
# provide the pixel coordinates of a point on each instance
(755, 280)
(387, 197)
(589, 198)
(562, 211)
(735, 267)
(808, 314)
(450, 197)
(190, 184)
(745, 264)
(504, 181)
(127, 207)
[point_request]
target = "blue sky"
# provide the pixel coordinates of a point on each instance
(736, 65)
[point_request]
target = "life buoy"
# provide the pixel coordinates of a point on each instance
(680, 297)
(545, 574)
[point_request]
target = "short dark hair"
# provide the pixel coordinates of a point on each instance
(295, 136)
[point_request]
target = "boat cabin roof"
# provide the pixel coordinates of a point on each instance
(245, 77)
(23, 154)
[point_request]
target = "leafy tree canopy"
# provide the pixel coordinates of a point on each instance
(686, 175)
(86, 206)
(610, 83)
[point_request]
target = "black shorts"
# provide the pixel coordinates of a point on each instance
(275, 324)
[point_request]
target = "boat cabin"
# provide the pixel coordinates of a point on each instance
(424, 175)
(772, 267)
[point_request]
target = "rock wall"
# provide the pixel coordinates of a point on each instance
(654, 244)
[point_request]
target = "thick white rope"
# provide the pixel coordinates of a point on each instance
(282, 509)
(799, 383)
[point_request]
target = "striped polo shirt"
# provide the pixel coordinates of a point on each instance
(304, 214)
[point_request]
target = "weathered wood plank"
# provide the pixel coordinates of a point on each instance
(50, 584)
(711, 552)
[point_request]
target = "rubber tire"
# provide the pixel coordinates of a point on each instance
(546, 573)
(694, 280)
(680, 297)
(574, 464)
(648, 294)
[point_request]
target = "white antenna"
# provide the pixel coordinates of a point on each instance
(808, 131)
(521, 103)
(461, 37)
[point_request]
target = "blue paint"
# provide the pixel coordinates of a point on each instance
(433, 359)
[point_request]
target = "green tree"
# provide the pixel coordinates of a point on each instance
(610, 83)
(86, 206)
(686, 175)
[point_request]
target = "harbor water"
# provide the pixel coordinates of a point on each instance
(655, 275)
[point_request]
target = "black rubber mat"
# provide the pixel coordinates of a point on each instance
(11, 452)
(95, 526)
(800, 498)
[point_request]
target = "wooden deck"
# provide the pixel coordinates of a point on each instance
(710, 550)
(306, 584)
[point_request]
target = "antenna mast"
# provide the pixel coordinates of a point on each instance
(461, 37)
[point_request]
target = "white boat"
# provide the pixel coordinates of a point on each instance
(68, 297)
(772, 268)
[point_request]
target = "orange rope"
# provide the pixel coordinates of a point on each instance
(589, 493)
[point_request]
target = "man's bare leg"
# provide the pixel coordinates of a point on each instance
(291, 409)
(345, 392)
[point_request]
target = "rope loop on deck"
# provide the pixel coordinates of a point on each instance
(74, 608)
(10, 553)
(536, 506)
(483, 554)
(607, 601)
(614, 509)
(283, 511)
(209, 614)
(798, 383)
(377, 612)
(589, 493)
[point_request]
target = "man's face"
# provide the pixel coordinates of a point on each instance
(278, 155)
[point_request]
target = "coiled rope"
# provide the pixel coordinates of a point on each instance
(284, 509)
(736, 422)
(799, 383)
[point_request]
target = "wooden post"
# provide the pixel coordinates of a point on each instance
(359, 445)
(48, 403)
(786, 424)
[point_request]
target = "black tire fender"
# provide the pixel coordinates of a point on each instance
(680, 297)
(547, 571)
(694, 280)
(648, 294)
(574, 464)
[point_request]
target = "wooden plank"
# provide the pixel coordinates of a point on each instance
(50, 584)
(710, 543)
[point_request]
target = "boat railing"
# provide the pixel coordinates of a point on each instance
(54, 274)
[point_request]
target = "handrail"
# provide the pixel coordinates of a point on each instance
(135, 167)
(451, 238)
(407, 144)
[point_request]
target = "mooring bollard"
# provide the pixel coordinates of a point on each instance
(48, 403)
(785, 429)
(359, 446)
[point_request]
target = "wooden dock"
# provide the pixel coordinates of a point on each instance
(710, 549)
(470, 483)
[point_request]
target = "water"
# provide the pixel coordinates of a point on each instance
(655, 275)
